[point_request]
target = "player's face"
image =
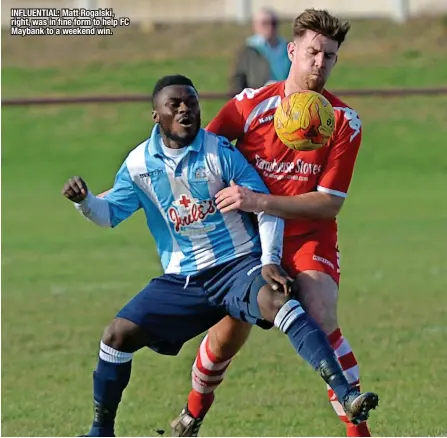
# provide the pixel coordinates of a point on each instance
(177, 111)
(313, 57)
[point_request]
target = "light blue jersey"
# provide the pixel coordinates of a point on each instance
(178, 200)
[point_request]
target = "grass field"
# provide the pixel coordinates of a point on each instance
(63, 279)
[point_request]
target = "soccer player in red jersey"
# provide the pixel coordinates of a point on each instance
(307, 189)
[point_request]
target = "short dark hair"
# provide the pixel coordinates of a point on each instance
(166, 81)
(320, 21)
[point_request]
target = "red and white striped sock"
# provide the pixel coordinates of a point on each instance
(207, 374)
(351, 371)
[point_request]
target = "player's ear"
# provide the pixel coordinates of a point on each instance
(291, 47)
(336, 59)
(155, 116)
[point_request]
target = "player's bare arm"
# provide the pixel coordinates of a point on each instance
(314, 205)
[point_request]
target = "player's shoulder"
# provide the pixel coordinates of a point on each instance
(136, 158)
(342, 109)
(138, 152)
(220, 154)
(346, 117)
(216, 142)
(250, 98)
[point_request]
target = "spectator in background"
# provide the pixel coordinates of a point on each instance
(264, 57)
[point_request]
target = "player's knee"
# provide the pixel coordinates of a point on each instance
(227, 337)
(123, 335)
(270, 302)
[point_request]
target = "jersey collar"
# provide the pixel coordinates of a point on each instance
(154, 141)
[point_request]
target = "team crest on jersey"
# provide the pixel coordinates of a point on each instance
(202, 174)
(187, 214)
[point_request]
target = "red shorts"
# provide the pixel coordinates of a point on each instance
(312, 252)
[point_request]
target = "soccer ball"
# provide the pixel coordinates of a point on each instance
(304, 121)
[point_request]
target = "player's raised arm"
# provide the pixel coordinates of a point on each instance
(109, 208)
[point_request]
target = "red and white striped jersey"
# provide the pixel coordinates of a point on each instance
(248, 118)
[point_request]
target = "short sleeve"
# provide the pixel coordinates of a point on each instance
(337, 173)
(229, 122)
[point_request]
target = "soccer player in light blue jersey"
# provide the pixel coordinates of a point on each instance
(214, 264)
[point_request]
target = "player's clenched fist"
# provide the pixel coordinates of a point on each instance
(75, 189)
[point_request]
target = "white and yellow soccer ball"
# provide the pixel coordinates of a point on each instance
(304, 121)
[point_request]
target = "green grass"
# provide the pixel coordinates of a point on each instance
(63, 279)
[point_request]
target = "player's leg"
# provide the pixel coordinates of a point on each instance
(317, 264)
(120, 340)
(311, 343)
(318, 293)
(215, 352)
(162, 316)
(214, 355)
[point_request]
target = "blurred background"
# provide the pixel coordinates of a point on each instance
(63, 279)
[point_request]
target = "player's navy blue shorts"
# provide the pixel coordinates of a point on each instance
(173, 309)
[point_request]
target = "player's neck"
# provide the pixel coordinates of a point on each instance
(292, 86)
(172, 143)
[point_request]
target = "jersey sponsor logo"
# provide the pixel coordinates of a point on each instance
(188, 213)
(299, 170)
(353, 120)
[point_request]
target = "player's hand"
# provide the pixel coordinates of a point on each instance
(237, 198)
(75, 189)
(277, 278)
